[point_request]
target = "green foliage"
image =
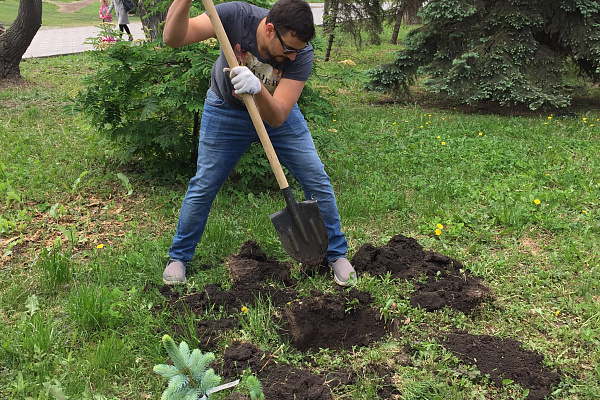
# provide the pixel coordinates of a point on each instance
(144, 98)
(255, 388)
(189, 377)
(96, 308)
(55, 267)
(253, 171)
(354, 18)
(509, 52)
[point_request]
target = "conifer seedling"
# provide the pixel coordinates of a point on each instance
(189, 376)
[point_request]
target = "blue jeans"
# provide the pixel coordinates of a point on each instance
(225, 133)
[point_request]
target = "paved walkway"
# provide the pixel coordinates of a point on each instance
(55, 42)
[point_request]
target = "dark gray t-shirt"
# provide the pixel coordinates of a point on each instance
(240, 21)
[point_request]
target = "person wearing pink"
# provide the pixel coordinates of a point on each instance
(104, 15)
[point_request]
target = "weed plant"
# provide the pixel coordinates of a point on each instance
(54, 267)
(513, 197)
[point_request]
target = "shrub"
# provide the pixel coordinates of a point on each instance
(146, 98)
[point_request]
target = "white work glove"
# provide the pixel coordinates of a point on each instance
(243, 80)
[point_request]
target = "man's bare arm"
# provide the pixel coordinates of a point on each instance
(181, 30)
(275, 109)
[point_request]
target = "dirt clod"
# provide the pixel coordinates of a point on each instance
(328, 321)
(279, 381)
(447, 283)
(251, 265)
(504, 359)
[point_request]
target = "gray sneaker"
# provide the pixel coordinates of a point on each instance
(174, 273)
(343, 272)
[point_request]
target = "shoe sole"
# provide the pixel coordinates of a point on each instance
(344, 283)
(174, 283)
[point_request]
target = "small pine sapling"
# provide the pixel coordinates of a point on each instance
(189, 378)
(255, 388)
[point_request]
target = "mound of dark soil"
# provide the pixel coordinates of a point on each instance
(327, 321)
(448, 283)
(279, 381)
(503, 359)
(251, 265)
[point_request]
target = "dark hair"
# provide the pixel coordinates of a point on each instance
(294, 16)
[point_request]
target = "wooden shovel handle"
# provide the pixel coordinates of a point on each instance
(248, 99)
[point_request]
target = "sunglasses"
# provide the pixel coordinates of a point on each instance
(286, 50)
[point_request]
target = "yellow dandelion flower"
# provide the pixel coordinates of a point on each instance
(557, 312)
(443, 143)
(440, 226)
(244, 310)
(584, 211)
(537, 201)
(480, 133)
(550, 117)
(591, 124)
(438, 137)
(335, 120)
(100, 246)
(438, 232)
(394, 123)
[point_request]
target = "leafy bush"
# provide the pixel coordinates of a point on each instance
(146, 97)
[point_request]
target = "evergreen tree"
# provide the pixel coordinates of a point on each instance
(190, 377)
(509, 51)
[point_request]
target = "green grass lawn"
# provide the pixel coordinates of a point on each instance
(52, 18)
(83, 240)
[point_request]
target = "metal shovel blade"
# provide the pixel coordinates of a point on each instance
(301, 229)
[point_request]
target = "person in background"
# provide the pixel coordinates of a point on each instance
(104, 15)
(122, 16)
(276, 58)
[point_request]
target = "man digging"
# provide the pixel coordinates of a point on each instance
(275, 57)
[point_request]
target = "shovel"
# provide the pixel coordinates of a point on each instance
(300, 226)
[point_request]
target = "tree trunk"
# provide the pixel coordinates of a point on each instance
(411, 7)
(15, 41)
(397, 23)
(151, 21)
(329, 46)
(329, 22)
